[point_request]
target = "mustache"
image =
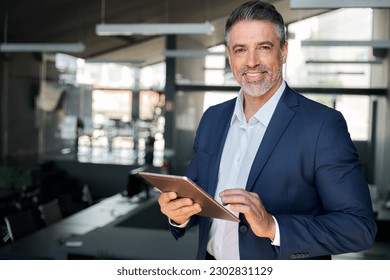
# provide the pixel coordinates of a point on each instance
(259, 68)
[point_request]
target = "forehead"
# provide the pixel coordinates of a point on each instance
(245, 32)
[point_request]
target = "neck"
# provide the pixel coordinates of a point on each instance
(252, 104)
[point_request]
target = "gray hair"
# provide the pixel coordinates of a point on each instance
(257, 10)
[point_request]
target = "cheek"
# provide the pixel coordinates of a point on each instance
(235, 68)
(236, 63)
(274, 64)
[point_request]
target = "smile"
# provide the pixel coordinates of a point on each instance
(254, 76)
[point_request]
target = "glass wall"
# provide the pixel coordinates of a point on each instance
(127, 109)
(334, 66)
(323, 66)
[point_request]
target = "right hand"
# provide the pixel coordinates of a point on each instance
(179, 210)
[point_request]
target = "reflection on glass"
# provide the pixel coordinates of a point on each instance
(151, 104)
(112, 104)
(341, 24)
(106, 75)
(215, 66)
(153, 76)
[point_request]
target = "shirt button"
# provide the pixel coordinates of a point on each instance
(243, 229)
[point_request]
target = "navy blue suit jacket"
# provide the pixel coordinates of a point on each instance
(307, 174)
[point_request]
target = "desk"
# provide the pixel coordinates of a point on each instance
(131, 244)
(105, 212)
(116, 227)
(40, 245)
(142, 234)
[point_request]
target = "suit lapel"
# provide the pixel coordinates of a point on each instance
(279, 122)
(220, 137)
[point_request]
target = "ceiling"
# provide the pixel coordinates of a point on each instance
(66, 21)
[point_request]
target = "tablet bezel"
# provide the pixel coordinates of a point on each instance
(185, 187)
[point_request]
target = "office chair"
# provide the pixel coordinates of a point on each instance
(4, 235)
(50, 212)
(20, 224)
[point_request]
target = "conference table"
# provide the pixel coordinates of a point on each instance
(117, 227)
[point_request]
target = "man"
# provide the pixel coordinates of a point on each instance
(286, 165)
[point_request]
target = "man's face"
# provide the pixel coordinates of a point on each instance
(255, 57)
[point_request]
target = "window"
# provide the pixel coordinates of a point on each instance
(215, 66)
(313, 66)
(309, 65)
(153, 76)
(151, 104)
(213, 98)
(106, 75)
(112, 104)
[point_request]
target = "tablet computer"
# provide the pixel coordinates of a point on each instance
(184, 187)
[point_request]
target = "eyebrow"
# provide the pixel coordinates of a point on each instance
(258, 44)
(266, 43)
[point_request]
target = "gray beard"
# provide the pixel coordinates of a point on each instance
(260, 88)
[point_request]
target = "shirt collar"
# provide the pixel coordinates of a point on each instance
(264, 114)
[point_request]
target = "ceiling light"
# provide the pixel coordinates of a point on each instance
(93, 60)
(42, 47)
(335, 4)
(190, 53)
(343, 61)
(153, 29)
(382, 44)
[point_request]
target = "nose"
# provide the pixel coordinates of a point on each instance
(252, 58)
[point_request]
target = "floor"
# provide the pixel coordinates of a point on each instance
(379, 251)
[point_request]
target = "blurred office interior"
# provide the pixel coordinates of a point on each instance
(85, 105)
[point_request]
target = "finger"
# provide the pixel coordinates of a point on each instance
(251, 206)
(180, 203)
(254, 195)
(177, 207)
(237, 199)
(181, 215)
(241, 208)
(235, 196)
(233, 191)
(190, 210)
(166, 197)
(239, 196)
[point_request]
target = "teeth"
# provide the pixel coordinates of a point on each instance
(252, 74)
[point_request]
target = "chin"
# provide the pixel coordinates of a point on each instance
(256, 92)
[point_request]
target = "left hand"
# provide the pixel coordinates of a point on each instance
(249, 204)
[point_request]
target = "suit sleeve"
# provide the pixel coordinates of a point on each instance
(346, 224)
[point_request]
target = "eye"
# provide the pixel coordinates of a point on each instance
(265, 48)
(239, 50)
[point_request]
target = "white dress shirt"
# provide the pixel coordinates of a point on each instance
(242, 143)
